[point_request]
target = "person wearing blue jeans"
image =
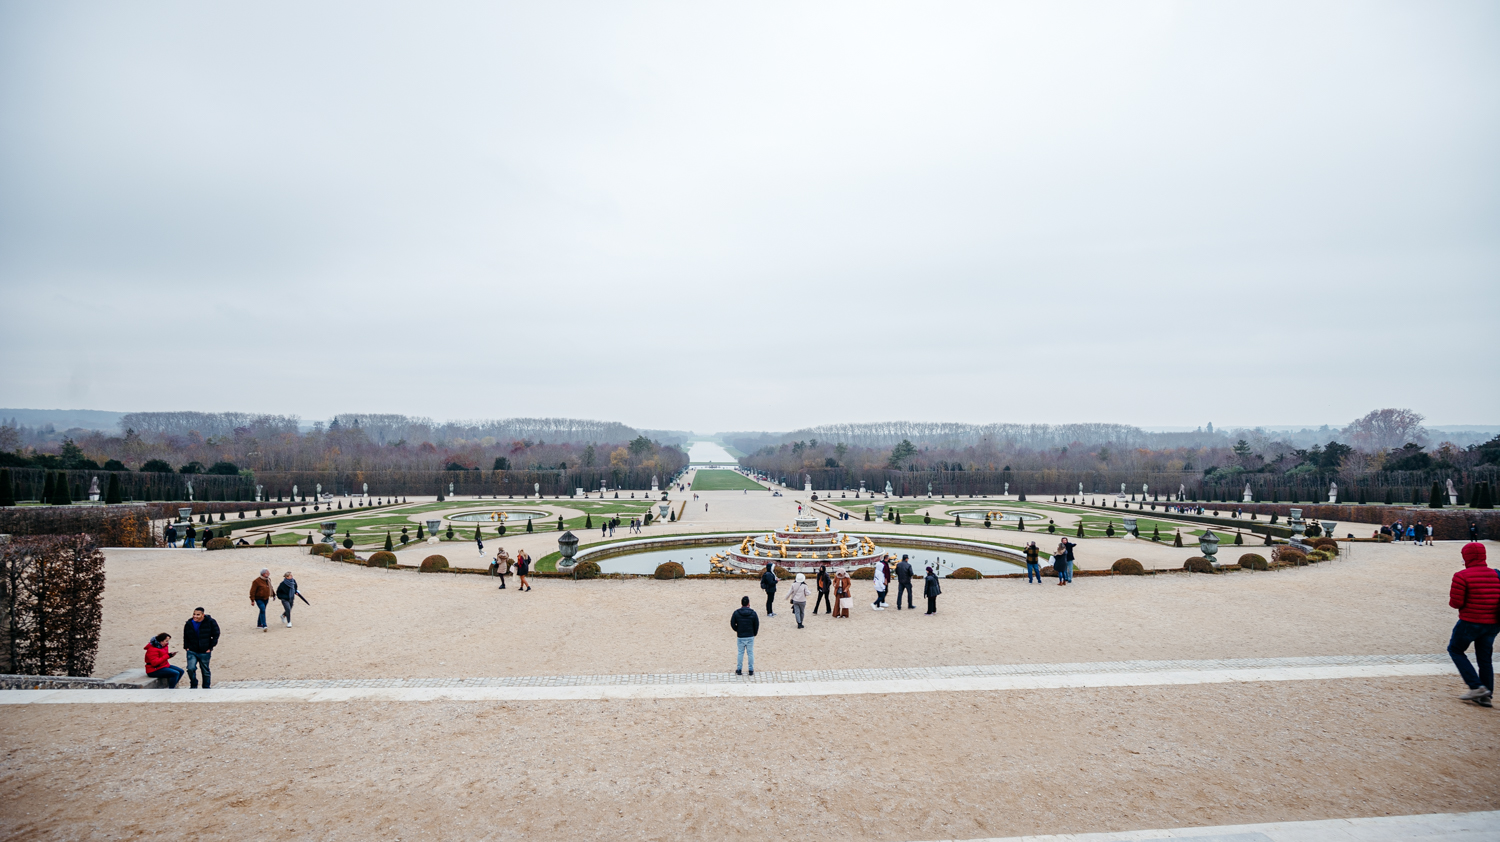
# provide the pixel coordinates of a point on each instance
(1033, 566)
(746, 624)
(1475, 592)
(158, 651)
(200, 634)
(260, 594)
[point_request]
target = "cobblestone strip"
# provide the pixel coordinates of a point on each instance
(882, 674)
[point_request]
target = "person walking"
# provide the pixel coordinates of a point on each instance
(1475, 592)
(479, 539)
(1068, 554)
(903, 581)
(171, 535)
(1473, 531)
(931, 590)
(523, 568)
(158, 653)
(287, 593)
(260, 594)
(200, 634)
(825, 583)
(746, 626)
(502, 566)
(843, 594)
(880, 586)
(768, 584)
(188, 539)
(1033, 562)
(797, 596)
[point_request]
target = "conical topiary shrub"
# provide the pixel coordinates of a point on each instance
(60, 490)
(588, 521)
(420, 536)
(1435, 497)
(47, 488)
(7, 491)
(388, 545)
(1177, 538)
(112, 495)
(956, 521)
(1080, 528)
(1156, 533)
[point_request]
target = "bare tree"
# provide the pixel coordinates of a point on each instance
(1386, 429)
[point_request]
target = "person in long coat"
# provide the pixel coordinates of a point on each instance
(931, 590)
(842, 590)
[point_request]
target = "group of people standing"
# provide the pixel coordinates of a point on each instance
(1417, 533)
(836, 589)
(501, 566)
(200, 634)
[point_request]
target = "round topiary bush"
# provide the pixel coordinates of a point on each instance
(1049, 571)
(965, 573)
(1254, 561)
(1198, 564)
(1328, 546)
(218, 544)
(324, 550)
(670, 570)
(863, 573)
(586, 570)
(1290, 556)
(1318, 555)
(384, 559)
(342, 555)
(431, 563)
(782, 573)
(1128, 567)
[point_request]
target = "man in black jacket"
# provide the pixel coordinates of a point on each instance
(745, 624)
(903, 582)
(200, 634)
(768, 584)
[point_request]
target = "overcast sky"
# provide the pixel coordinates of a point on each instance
(723, 216)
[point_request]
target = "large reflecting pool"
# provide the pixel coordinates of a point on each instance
(506, 516)
(695, 560)
(997, 515)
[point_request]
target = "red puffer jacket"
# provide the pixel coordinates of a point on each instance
(156, 657)
(1476, 589)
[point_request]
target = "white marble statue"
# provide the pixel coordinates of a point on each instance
(367, 489)
(1452, 494)
(1122, 491)
(1007, 489)
(1080, 489)
(1181, 492)
(888, 489)
(190, 490)
(94, 490)
(1249, 498)
(1333, 492)
(1143, 490)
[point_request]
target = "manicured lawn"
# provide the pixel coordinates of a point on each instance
(718, 479)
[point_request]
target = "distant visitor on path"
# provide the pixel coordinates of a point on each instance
(903, 581)
(746, 626)
(191, 534)
(825, 584)
(843, 595)
(797, 596)
(768, 584)
(881, 571)
(287, 593)
(200, 634)
(260, 594)
(158, 652)
(1475, 592)
(931, 590)
(1033, 562)
(523, 567)
(171, 535)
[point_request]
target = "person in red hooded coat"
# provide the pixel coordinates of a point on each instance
(1476, 594)
(158, 651)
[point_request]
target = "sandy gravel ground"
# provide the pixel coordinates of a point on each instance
(372, 623)
(929, 766)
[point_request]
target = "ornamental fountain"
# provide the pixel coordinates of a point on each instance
(802, 547)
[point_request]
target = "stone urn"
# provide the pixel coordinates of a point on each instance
(1209, 545)
(185, 514)
(328, 528)
(663, 507)
(567, 545)
(880, 510)
(1131, 527)
(1328, 527)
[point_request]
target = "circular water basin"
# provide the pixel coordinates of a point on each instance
(1004, 516)
(695, 560)
(506, 516)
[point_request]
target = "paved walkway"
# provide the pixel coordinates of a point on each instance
(770, 683)
(1448, 827)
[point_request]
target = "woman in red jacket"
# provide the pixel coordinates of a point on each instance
(1476, 594)
(158, 651)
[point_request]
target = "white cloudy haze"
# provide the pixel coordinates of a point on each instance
(753, 216)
